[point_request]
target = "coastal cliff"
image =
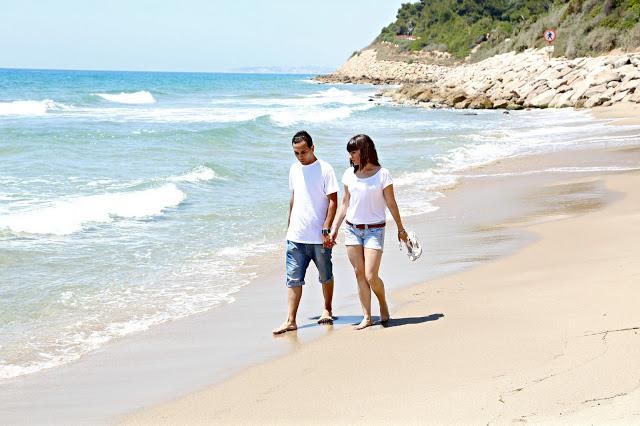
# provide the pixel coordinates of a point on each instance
(509, 80)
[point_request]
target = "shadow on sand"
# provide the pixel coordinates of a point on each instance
(396, 322)
(393, 322)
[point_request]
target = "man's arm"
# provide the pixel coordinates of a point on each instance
(290, 208)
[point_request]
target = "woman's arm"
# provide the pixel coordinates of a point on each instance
(390, 198)
(342, 212)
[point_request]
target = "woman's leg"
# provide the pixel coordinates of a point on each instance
(356, 257)
(372, 258)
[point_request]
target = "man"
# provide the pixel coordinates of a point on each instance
(312, 207)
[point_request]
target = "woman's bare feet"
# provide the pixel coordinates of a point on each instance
(364, 324)
(384, 314)
(286, 326)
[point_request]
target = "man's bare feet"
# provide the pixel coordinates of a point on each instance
(326, 317)
(364, 324)
(286, 326)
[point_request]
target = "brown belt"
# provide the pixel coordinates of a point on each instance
(375, 225)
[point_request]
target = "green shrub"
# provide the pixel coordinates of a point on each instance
(584, 27)
(601, 39)
(632, 39)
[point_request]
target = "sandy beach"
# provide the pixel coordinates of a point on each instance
(548, 334)
(508, 287)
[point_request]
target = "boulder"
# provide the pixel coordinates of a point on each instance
(535, 92)
(543, 99)
(550, 74)
(481, 102)
(627, 70)
(500, 103)
(619, 96)
(562, 100)
(595, 100)
(554, 84)
(624, 60)
(574, 78)
(462, 104)
(456, 97)
(425, 96)
(594, 90)
(604, 77)
(630, 85)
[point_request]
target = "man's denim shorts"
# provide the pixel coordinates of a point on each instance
(297, 261)
(372, 238)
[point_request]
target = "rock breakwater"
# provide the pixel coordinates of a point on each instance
(511, 80)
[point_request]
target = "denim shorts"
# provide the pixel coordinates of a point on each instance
(372, 238)
(297, 261)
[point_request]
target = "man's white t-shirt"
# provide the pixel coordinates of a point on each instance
(310, 184)
(366, 201)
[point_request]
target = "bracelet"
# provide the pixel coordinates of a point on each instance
(402, 230)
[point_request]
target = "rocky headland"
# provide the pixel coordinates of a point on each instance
(511, 80)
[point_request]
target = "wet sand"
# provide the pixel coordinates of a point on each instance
(548, 334)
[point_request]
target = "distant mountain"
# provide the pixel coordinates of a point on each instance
(488, 27)
(282, 70)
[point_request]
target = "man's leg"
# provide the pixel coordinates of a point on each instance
(296, 263)
(294, 294)
(327, 313)
(322, 259)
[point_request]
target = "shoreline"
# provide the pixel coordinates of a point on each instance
(269, 382)
(181, 357)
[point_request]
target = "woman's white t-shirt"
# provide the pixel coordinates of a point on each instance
(366, 201)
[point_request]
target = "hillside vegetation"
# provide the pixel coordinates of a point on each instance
(478, 29)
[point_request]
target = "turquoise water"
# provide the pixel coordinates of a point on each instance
(129, 199)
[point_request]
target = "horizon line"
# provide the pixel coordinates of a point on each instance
(227, 71)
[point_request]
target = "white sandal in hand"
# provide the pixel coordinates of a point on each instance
(414, 249)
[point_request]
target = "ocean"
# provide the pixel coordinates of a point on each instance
(129, 199)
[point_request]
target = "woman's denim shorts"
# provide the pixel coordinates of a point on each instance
(372, 238)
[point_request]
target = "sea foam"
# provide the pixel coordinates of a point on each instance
(141, 97)
(26, 107)
(288, 117)
(71, 215)
(199, 174)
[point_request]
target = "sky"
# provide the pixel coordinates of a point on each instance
(187, 35)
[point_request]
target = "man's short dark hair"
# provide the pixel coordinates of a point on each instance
(302, 136)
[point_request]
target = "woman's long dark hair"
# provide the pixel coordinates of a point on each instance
(368, 154)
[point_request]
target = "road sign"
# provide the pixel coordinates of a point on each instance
(549, 36)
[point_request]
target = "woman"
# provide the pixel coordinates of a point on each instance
(368, 191)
